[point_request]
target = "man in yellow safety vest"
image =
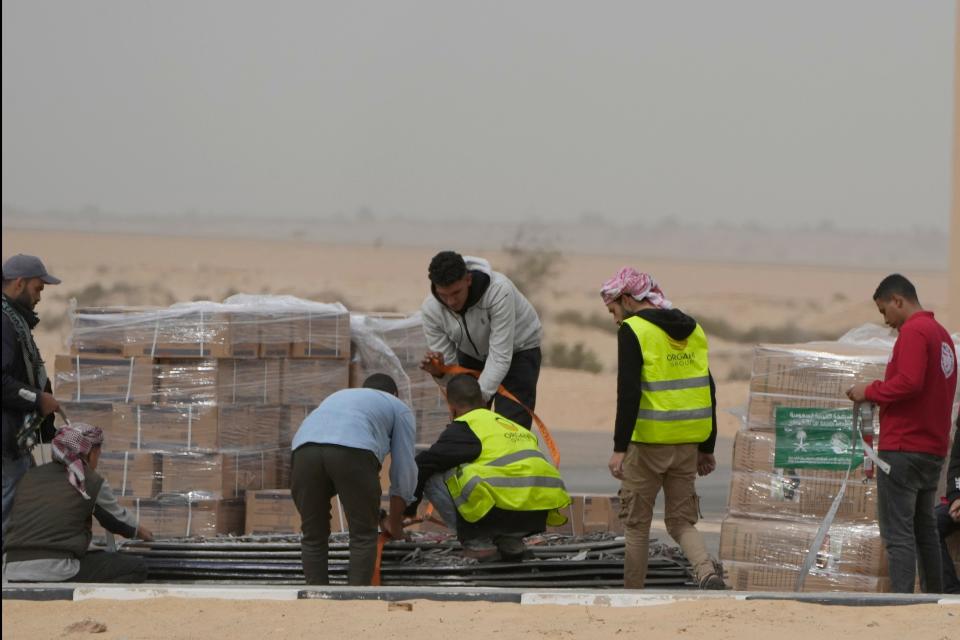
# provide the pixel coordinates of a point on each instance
(666, 422)
(487, 478)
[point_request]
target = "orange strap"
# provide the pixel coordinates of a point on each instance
(381, 540)
(452, 369)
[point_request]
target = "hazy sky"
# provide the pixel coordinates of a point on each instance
(732, 110)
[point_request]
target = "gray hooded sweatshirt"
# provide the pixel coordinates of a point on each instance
(491, 329)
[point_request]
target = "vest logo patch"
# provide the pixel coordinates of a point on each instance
(947, 362)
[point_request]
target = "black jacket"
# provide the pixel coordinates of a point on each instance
(457, 445)
(678, 326)
(953, 471)
(15, 406)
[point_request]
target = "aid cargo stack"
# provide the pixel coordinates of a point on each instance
(199, 401)
(789, 463)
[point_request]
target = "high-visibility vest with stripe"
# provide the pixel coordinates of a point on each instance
(675, 404)
(511, 472)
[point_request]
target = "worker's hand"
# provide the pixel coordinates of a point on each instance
(47, 404)
(955, 510)
(432, 363)
(144, 534)
(858, 392)
(616, 464)
(706, 463)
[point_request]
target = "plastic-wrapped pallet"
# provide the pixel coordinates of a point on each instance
(395, 345)
(199, 401)
(791, 460)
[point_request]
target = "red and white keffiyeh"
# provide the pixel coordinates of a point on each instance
(639, 286)
(69, 446)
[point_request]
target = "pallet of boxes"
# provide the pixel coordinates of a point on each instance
(789, 463)
(199, 401)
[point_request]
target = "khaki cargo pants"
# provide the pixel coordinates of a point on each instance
(647, 468)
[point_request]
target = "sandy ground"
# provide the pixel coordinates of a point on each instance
(173, 619)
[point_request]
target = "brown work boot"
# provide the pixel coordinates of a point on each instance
(713, 581)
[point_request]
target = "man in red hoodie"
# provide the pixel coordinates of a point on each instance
(916, 398)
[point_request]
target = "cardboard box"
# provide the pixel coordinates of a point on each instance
(746, 576)
(178, 518)
(99, 414)
(753, 451)
(174, 333)
(164, 427)
(219, 475)
(310, 381)
(184, 427)
(244, 334)
(291, 417)
(192, 333)
(250, 427)
(816, 369)
(98, 331)
(227, 381)
(848, 548)
(812, 375)
(272, 511)
(276, 334)
(315, 335)
(801, 496)
(131, 473)
(594, 513)
(98, 378)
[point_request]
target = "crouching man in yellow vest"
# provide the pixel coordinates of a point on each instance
(488, 480)
(666, 423)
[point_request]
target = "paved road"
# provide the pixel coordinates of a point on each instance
(583, 463)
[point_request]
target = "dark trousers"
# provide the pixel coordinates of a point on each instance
(906, 500)
(105, 566)
(320, 472)
(521, 381)
(945, 528)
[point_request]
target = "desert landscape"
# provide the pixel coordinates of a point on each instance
(740, 304)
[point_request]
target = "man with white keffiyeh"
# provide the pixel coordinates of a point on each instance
(666, 424)
(51, 521)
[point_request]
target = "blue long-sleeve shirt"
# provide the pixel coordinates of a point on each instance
(372, 420)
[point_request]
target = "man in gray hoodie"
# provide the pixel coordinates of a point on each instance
(477, 318)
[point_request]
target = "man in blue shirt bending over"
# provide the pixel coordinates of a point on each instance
(338, 450)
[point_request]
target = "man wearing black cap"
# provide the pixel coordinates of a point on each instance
(27, 396)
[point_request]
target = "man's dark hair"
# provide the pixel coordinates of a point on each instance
(381, 382)
(446, 268)
(463, 390)
(896, 284)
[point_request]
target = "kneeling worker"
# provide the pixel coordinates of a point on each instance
(487, 478)
(51, 525)
(338, 450)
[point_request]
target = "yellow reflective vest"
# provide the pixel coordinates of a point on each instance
(511, 472)
(675, 404)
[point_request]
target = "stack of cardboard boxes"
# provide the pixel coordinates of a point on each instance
(789, 464)
(197, 400)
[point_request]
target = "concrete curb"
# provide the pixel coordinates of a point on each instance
(611, 598)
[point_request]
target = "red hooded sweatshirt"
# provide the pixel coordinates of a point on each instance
(917, 393)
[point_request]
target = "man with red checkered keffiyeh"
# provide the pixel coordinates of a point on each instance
(51, 521)
(666, 424)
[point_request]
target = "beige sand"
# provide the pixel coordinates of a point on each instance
(173, 619)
